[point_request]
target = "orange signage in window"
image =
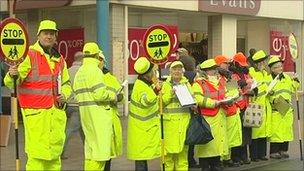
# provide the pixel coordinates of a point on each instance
(31, 4)
(242, 7)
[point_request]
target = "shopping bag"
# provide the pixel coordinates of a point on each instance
(199, 131)
(253, 115)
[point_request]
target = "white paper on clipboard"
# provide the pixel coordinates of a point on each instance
(272, 84)
(184, 96)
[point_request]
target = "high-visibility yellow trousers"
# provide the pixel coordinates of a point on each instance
(177, 161)
(94, 165)
(40, 164)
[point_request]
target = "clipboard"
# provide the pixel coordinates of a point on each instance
(281, 105)
(184, 96)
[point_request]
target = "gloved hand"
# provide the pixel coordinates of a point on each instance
(119, 97)
(242, 83)
(13, 71)
(60, 102)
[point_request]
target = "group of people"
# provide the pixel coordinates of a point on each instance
(46, 90)
(223, 89)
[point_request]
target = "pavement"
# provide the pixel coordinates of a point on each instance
(76, 157)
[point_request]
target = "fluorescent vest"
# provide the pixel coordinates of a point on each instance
(39, 89)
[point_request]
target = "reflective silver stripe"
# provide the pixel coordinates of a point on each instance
(283, 91)
(176, 110)
(93, 103)
(146, 100)
(35, 71)
(136, 104)
(39, 78)
(86, 90)
(262, 93)
(111, 89)
(143, 118)
(67, 82)
(197, 94)
(100, 85)
(205, 101)
(35, 91)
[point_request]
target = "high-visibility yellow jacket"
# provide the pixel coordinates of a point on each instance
(234, 124)
(44, 128)
(263, 79)
(113, 85)
(176, 118)
(282, 125)
(94, 100)
(143, 123)
(219, 145)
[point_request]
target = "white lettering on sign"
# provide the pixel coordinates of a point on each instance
(234, 3)
(279, 47)
(66, 44)
(12, 33)
(134, 44)
(159, 37)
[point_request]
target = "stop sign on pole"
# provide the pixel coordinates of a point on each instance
(14, 41)
(158, 43)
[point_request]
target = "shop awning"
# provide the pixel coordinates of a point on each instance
(32, 4)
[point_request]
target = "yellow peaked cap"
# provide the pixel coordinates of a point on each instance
(208, 64)
(274, 59)
(142, 65)
(47, 25)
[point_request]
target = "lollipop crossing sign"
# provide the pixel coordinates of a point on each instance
(158, 43)
(14, 41)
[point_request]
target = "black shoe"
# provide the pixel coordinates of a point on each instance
(236, 164)
(275, 156)
(247, 161)
(194, 166)
(63, 157)
(217, 168)
(284, 154)
(263, 158)
(228, 163)
(255, 160)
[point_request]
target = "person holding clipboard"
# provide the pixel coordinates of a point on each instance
(209, 94)
(280, 97)
(176, 117)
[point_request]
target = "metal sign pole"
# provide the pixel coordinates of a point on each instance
(293, 46)
(14, 100)
(158, 44)
(161, 123)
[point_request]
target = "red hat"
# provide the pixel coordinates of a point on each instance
(240, 58)
(219, 59)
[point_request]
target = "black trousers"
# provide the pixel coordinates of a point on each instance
(258, 148)
(141, 165)
(211, 164)
(277, 147)
(108, 165)
(191, 159)
(239, 153)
